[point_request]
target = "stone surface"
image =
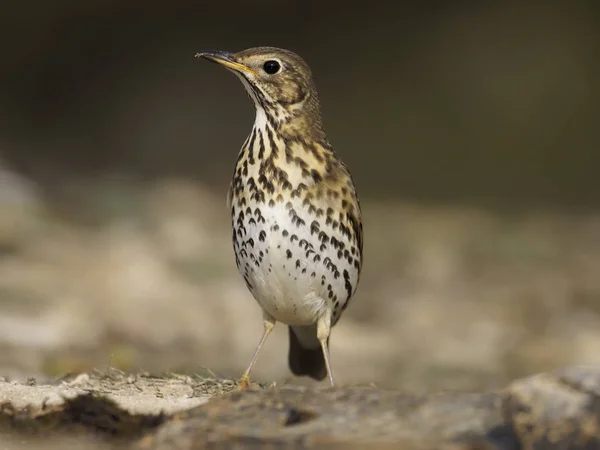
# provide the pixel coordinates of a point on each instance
(554, 410)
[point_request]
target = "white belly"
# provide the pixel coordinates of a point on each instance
(289, 270)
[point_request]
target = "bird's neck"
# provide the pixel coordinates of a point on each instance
(286, 127)
(291, 150)
(262, 121)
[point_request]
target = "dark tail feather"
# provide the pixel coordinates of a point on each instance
(305, 361)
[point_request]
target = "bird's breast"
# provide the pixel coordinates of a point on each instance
(294, 260)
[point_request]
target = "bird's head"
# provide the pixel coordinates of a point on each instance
(279, 82)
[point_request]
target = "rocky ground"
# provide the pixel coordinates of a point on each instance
(120, 276)
(557, 410)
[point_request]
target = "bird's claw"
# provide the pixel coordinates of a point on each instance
(244, 382)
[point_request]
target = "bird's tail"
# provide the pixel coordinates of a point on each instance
(306, 359)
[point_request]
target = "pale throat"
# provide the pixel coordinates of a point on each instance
(278, 113)
(265, 136)
(260, 118)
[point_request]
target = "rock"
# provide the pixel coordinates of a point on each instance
(555, 411)
(558, 410)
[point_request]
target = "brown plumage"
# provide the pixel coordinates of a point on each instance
(296, 220)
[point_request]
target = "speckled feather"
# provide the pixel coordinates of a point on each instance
(297, 227)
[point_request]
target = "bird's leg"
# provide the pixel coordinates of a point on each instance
(269, 324)
(323, 330)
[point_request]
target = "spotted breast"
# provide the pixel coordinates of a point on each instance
(295, 234)
(297, 227)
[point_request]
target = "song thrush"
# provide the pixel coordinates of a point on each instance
(297, 227)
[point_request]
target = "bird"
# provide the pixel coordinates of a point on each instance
(297, 226)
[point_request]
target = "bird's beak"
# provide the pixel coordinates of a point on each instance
(225, 59)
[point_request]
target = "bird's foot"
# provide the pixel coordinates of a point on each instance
(244, 382)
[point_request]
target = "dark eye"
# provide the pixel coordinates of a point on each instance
(271, 67)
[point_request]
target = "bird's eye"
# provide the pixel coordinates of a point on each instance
(271, 67)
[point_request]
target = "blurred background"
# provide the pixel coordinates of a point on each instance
(471, 128)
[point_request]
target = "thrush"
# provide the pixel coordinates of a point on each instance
(296, 219)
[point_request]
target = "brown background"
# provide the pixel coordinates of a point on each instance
(471, 130)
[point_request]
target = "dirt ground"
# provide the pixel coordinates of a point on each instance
(136, 393)
(117, 410)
